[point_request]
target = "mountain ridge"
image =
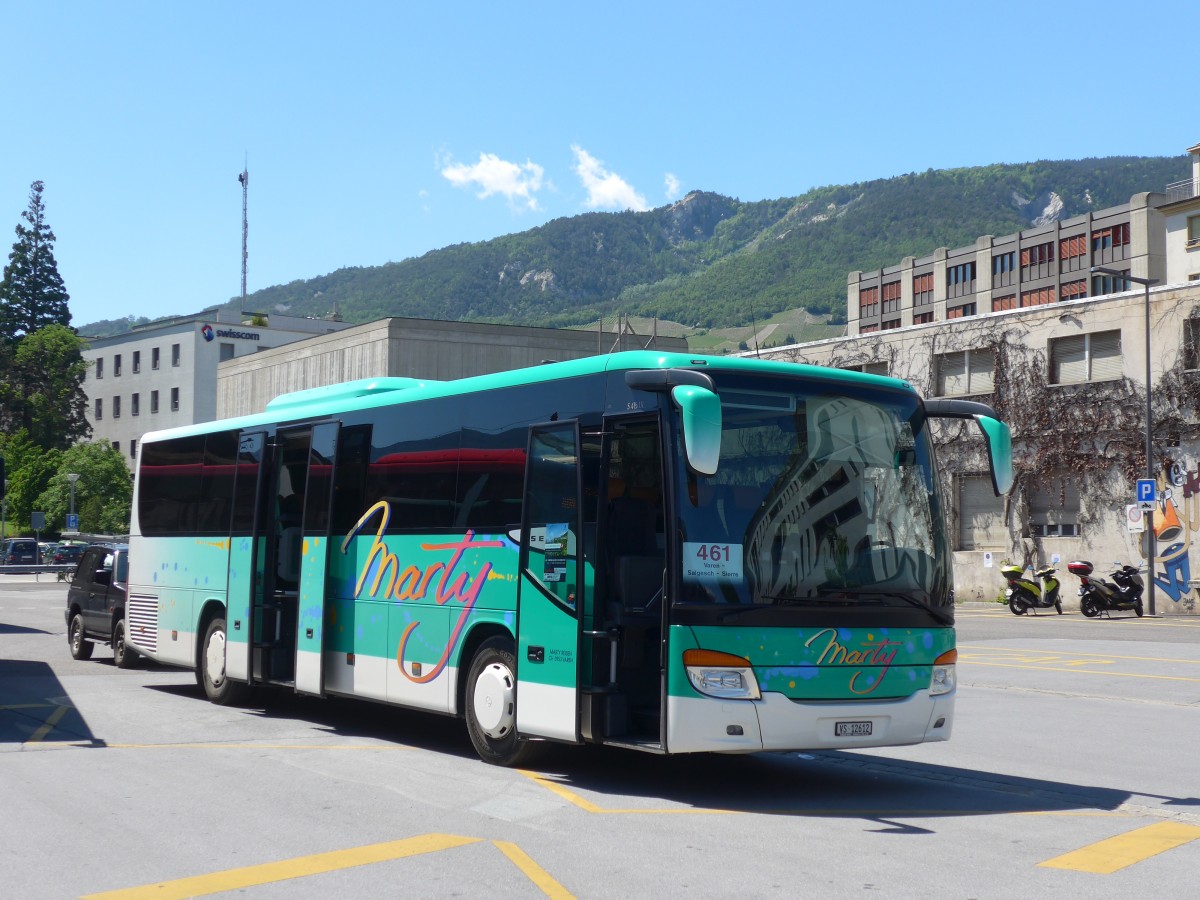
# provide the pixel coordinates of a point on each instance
(710, 261)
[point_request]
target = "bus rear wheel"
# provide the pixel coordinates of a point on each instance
(491, 703)
(217, 685)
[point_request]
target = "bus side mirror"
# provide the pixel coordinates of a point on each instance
(999, 445)
(700, 412)
(996, 434)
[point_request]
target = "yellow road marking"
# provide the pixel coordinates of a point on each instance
(533, 871)
(1166, 659)
(201, 745)
(48, 726)
(976, 662)
(1116, 853)
(298, 867)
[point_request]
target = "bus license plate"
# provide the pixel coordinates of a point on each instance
(852, 729)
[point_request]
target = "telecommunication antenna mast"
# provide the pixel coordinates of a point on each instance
(244, 178)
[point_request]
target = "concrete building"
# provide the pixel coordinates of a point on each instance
(1067, 367)
(1035, 267)
(1181, 215)
(164, 374)
(417, 348)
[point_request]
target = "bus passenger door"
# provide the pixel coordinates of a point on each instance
(245, 584)
(314, 553)
(550, 589)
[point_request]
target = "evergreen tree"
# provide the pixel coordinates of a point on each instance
(32, 294)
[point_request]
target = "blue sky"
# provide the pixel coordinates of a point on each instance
(375, 132)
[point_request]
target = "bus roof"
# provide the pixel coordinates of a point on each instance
(372, 393)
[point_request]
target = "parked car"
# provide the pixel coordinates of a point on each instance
(67, 553)
(96, 603)
(19, 552)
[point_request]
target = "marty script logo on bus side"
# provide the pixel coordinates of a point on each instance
(414, 582)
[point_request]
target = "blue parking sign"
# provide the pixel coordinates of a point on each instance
(1145, 490)
(72, 521)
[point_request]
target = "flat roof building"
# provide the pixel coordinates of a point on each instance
(417, 348)
(164, 374)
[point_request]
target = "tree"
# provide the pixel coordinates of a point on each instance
(103, 492)
(41, 387)
(32, 294)
(29, 480)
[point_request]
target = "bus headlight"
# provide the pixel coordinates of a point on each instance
(943, 673)
(722, 675)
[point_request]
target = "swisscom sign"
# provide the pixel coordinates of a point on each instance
(209, 334)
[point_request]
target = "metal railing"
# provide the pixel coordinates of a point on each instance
(48, 568)
(1183, 190)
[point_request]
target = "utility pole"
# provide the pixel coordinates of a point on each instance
(244, 178)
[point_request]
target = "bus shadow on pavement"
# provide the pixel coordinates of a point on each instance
(35, 707)
(349, 718)
(836, 784)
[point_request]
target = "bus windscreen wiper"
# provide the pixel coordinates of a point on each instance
(942, 617)
(770, 602)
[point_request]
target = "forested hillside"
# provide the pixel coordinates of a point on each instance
(713, 261)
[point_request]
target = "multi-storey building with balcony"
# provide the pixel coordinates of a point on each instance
(1079, 362)
(1034, 267)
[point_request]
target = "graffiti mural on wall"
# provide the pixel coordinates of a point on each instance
(1175, 521)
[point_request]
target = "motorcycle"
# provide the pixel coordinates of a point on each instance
(1025, 593)
(1096, 595)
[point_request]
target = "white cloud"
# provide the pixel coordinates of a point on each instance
(492, 175)
(672, 185)
(605, 189)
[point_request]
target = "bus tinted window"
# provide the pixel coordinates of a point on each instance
(170, 486)
(489, 489)
(217, 481)
(414, 466)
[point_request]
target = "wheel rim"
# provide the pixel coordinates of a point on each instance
(214, 659)
(76, 635)
(494, 700)
(119, 642)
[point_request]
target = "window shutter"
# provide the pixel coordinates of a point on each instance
(1106, 356)
(952, 374)
(982, 375)
(1068, 360)
(980, 514)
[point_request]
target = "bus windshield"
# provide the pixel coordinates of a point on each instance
(823, 496)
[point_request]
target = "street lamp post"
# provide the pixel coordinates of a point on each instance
(72, 477)
(1151, 540)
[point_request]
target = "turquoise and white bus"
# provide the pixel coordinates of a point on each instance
(669, 553)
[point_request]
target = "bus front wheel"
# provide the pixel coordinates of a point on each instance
(217, 686)
(492, 705)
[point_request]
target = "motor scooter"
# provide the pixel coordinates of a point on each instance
(1096, 595)
(1027, 594)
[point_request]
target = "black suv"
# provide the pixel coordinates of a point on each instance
(96, 603)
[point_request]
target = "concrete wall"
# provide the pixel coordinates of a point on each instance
(911, 352)
(417, 348)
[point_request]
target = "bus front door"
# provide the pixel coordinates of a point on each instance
(278, 557)
(318, 494)
(551, 586)
(243, 589)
